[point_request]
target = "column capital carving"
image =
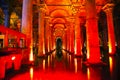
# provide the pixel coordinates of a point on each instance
(108, 7)
(42, 8)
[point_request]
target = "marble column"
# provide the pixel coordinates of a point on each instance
(72, 36)
(93, 50)
(47, 35)
(27, 21)
(78, 46)
(108, 8)
(27, 27)
(50, 37)
(68, 38)
(41, 32)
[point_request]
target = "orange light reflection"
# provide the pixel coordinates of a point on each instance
(88, 73)
(44, 64)
(31, 73)
(111, 63)
(49, 61)
(75, 63)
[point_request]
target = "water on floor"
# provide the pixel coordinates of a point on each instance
(66, 67)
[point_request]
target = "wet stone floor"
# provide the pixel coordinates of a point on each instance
(66, 67)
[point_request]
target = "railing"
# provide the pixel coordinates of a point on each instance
(11, 38)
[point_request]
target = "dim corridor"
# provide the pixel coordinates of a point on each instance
(65, 67)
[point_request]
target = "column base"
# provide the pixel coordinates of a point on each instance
(112, 54)
(97, 64)
(78, 56)
(42, 56)
(31, 63)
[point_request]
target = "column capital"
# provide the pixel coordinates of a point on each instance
(43, 8)
(108, 7)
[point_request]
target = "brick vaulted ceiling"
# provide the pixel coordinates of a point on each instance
(61, 11)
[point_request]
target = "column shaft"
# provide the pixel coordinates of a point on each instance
(47, 35)
(72, 38)
(111, 35)
(78, 45)
(27, 27)
(27, 21)
(93, 51)
(41, 48)
(68, 38)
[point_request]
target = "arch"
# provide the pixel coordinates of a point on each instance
(59, 13)
(59, 47)
(58, 20)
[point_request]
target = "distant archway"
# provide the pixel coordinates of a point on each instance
(58, 43)
(59, 47)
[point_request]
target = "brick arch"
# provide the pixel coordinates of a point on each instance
(59, 13)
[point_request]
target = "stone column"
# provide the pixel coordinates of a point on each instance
(64, 41)
(78, 46)
(111, 35)
(93, 50)
(72, 38)
(47, 35)
(50, 37)
(41, 32)
(27, 21)
(68, 38)
(27, 27)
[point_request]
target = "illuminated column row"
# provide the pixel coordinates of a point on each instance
(41, 33)
(93, 51)
(108, 8)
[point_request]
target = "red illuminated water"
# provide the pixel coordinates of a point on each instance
(65, 68)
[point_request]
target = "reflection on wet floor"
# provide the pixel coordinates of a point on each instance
(66, 67)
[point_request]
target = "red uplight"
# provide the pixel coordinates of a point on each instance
(13, 58)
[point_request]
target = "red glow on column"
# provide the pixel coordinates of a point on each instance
(44, 49)
(31, 55)
(110, 48)
(88, 53)
(49, 61)
(75, 50)
(108, 8)
(93, 50)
